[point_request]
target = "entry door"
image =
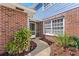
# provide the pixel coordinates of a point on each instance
(33, 29)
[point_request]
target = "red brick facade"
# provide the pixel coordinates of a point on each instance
(10, 22)
(71, 22)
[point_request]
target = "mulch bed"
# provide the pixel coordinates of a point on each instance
(56, 50)
(32, 47)
(47, 41)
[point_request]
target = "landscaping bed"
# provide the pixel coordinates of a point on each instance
(47, 41)
(32, 47)
(60, 51)
(62, 46)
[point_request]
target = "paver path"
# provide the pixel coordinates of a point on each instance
(42, 48)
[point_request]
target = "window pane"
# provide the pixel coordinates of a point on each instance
(57, 26)
(32, 26)
(47, 26)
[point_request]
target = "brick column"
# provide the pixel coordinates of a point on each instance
(10, 22)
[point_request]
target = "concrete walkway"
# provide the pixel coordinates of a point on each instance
(42, 48)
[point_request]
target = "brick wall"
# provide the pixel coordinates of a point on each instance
(10, 22)
(72, 22)
(71, 18)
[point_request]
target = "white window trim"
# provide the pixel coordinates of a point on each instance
(35, 29)
(51, 29)
(51, 26)
(50, 34)
(63, 25)
(28, 26)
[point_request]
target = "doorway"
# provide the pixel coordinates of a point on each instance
(33, 29)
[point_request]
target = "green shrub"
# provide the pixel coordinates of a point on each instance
(76, 39)
(62, 40)
(20, 43)
(67, 41)
(11, 47)
(72, 42)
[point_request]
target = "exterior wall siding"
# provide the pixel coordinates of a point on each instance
(10, 22)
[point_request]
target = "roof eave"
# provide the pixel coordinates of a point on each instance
(30, 11)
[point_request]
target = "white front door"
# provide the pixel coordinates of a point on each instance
(33, 29)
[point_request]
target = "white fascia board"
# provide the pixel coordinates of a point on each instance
(14, 5)
(35, 20)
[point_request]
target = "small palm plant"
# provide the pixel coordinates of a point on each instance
(23, 39)
(20, 43)
(67, 41)
(62, 40)
(76, 39)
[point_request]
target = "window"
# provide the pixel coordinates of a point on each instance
(57, 26)
(32, 27)
(54, 26)
(47, 26)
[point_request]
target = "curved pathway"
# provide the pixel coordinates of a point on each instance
(42, 48)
